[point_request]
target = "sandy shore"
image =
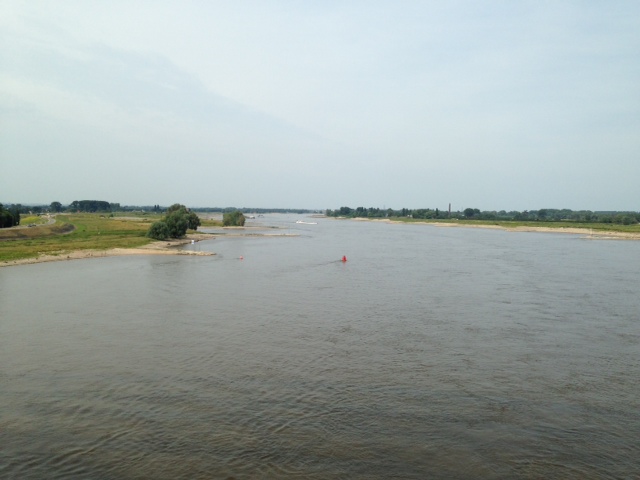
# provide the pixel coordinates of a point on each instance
(585, 232)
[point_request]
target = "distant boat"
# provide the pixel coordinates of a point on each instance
(307, 223)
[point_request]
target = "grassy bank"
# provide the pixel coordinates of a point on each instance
(70, 232)
(208, 222)
(33, 220)
(81, 231)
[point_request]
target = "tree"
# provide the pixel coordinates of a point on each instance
(193, 221)
(90, 206)
(55, 207)
(177, 221)
(233, 219)
(176, 207)
(159, 231)
(15, 211)
(10, 217)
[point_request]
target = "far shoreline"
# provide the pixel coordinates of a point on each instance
(586, 232)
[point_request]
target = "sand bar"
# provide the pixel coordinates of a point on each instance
(585, 232)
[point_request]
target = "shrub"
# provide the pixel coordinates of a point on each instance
(233, 219)
(177, 223)
(159, 231)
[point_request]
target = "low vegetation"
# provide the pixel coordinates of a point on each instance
(70, 232)
(210, 222)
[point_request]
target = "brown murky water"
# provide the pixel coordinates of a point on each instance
(431, 353)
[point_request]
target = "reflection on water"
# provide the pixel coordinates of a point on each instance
(431, 353)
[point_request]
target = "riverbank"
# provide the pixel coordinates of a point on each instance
(167, 247)
(586, 232)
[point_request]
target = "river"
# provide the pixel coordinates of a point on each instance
(454, 353)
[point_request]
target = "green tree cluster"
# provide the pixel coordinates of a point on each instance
(175, 223)
(233, 219)
(362, 212)
(471, 212)
(89, 206)
(9, 217)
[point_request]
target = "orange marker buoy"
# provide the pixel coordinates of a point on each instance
(241, 257)
(344, 258)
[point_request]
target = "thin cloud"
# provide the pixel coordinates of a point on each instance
(496, 106)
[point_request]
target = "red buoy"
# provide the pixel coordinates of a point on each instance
(344, 258)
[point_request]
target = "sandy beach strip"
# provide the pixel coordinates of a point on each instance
(586, 232)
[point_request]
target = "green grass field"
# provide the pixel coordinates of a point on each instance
(210, 223)
(33, 219)
(83, 231)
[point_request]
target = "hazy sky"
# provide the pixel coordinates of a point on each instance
(317, 104)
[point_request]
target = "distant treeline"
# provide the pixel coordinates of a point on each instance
(75, 206)
(255, 210)
(9, 217)
(107, 207)
(11, 213)
(542, 215)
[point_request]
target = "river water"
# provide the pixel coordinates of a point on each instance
(432, 352)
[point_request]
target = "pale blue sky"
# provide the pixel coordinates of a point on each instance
(493, 105)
